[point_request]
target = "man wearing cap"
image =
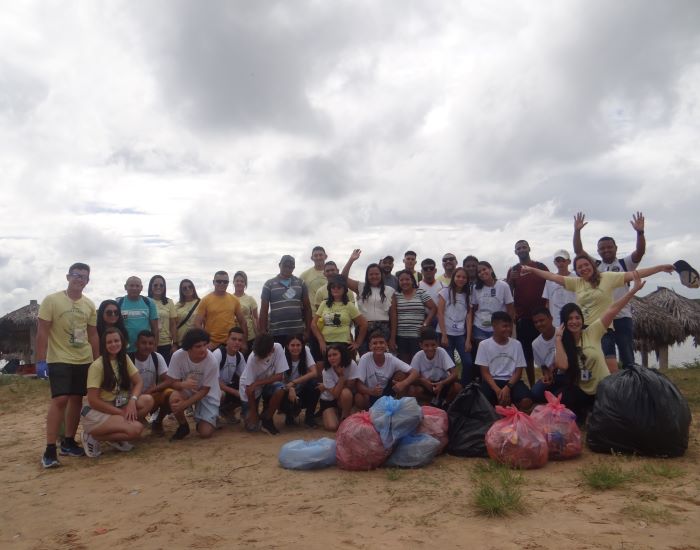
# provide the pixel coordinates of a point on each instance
(555, 295)
(285, 303)
(527, 297)
(429, 283)
(219, 312)
(449, 264)
(386, 264)
(623, 329)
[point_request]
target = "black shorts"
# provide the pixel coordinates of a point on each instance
(407, 345)
(67, 379)
(328, 404)
(526, 335)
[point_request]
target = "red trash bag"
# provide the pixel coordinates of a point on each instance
(516, 441)
(559, 427)
(435, 423)
(358, 445)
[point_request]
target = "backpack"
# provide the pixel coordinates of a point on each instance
(222, 362)
(146, 301)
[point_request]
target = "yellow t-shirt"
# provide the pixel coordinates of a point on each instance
(219, 313)
(182, 311)
(595, 364)
(313, 280)
(248, 305)
(322, 295)
(594, 301)
(335, 321)
(165, 313)
(96, 376)
(68, 336)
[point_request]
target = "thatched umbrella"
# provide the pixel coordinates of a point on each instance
(682, 309)
(18, 332)
(654, 328)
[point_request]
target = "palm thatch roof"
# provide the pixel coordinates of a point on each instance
(684, 310)
(21, 318)
(654, 328)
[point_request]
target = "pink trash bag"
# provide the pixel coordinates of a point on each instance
(516, 441)
(435, 423)
(358, 445)
(559, 427)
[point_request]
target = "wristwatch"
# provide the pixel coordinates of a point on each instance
(135, 397)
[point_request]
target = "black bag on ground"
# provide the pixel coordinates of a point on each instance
(470, 416)
(638, 410)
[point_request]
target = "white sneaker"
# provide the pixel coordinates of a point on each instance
(123, 446)
(91, 446)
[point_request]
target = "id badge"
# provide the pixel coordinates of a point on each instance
(585, 375)
(289, 294)
(79, 336)
(121, 400)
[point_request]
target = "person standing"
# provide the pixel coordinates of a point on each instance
(430, 284)
(622, 333)
(527, 297)
(314, 277)
(167, 317)
(555, 295)
(219, 311)
(386, 264)
(449, 263)
(409, 264)
(139, 312)
(66, 345)
(284, 302)
(249, 307)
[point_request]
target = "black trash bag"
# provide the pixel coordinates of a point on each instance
(639, 411)
(470, 416)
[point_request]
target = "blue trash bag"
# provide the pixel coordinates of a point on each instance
(414, 451)
(395, 418)
(308, 455)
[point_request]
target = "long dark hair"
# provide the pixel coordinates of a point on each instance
(453, 286)
(345, 359)
(479, 284)
(303, 367)
(414, 284)
(101, 325)
(337, 280)
(108, 381)
(182, 296)
(367, 290)
(164, 298)
(573, 354)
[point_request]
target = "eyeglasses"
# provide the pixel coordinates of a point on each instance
(221, 281)
(79, 276)
(111, 313)
(187, 287)
(445, 260)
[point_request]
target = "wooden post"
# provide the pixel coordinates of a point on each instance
(663, 358)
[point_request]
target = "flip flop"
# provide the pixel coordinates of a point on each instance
(689, 276)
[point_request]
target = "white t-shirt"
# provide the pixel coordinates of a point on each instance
(432, 290)
(543, 351)
(371, 375)
(455, 314)
(294, 367)
(502, 360)
(435, 369)
(488, 300)
(235, 364)
(150, 372)
(558, 297)
(206, 372)
(330, 379)
(257, 368)
(619, 292)
(373, 308)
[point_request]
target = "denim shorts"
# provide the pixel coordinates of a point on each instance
(206, 410)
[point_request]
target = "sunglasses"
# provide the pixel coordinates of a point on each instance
(111, 313)
(444, 260)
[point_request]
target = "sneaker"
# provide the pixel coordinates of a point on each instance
(123, 446)
(91, 446)
(49, 462)
(252, 428)
(183, 430)
(268, 426)
(70, 449)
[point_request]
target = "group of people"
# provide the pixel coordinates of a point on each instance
(325, 343)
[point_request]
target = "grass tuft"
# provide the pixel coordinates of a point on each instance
(667, 471)
(603, 476)
(649, 513)
(498, 491)
(394, 474)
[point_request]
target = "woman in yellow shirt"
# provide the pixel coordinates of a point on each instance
(167, 317)
(249, 307)
(185, 308)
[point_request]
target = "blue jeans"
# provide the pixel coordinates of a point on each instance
(457, 343)
(623, 337)
(538, 389)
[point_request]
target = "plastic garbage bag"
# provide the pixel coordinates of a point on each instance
(436, 424)
(470, 416)
(638, 410)
(358, 445)
(414, 451)
(516, 441)
(308, 455)
(395, 418)
(558, 424)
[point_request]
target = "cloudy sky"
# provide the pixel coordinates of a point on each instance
(182, 137)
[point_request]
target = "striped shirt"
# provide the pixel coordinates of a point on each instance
(411, 313)
(286, 299)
